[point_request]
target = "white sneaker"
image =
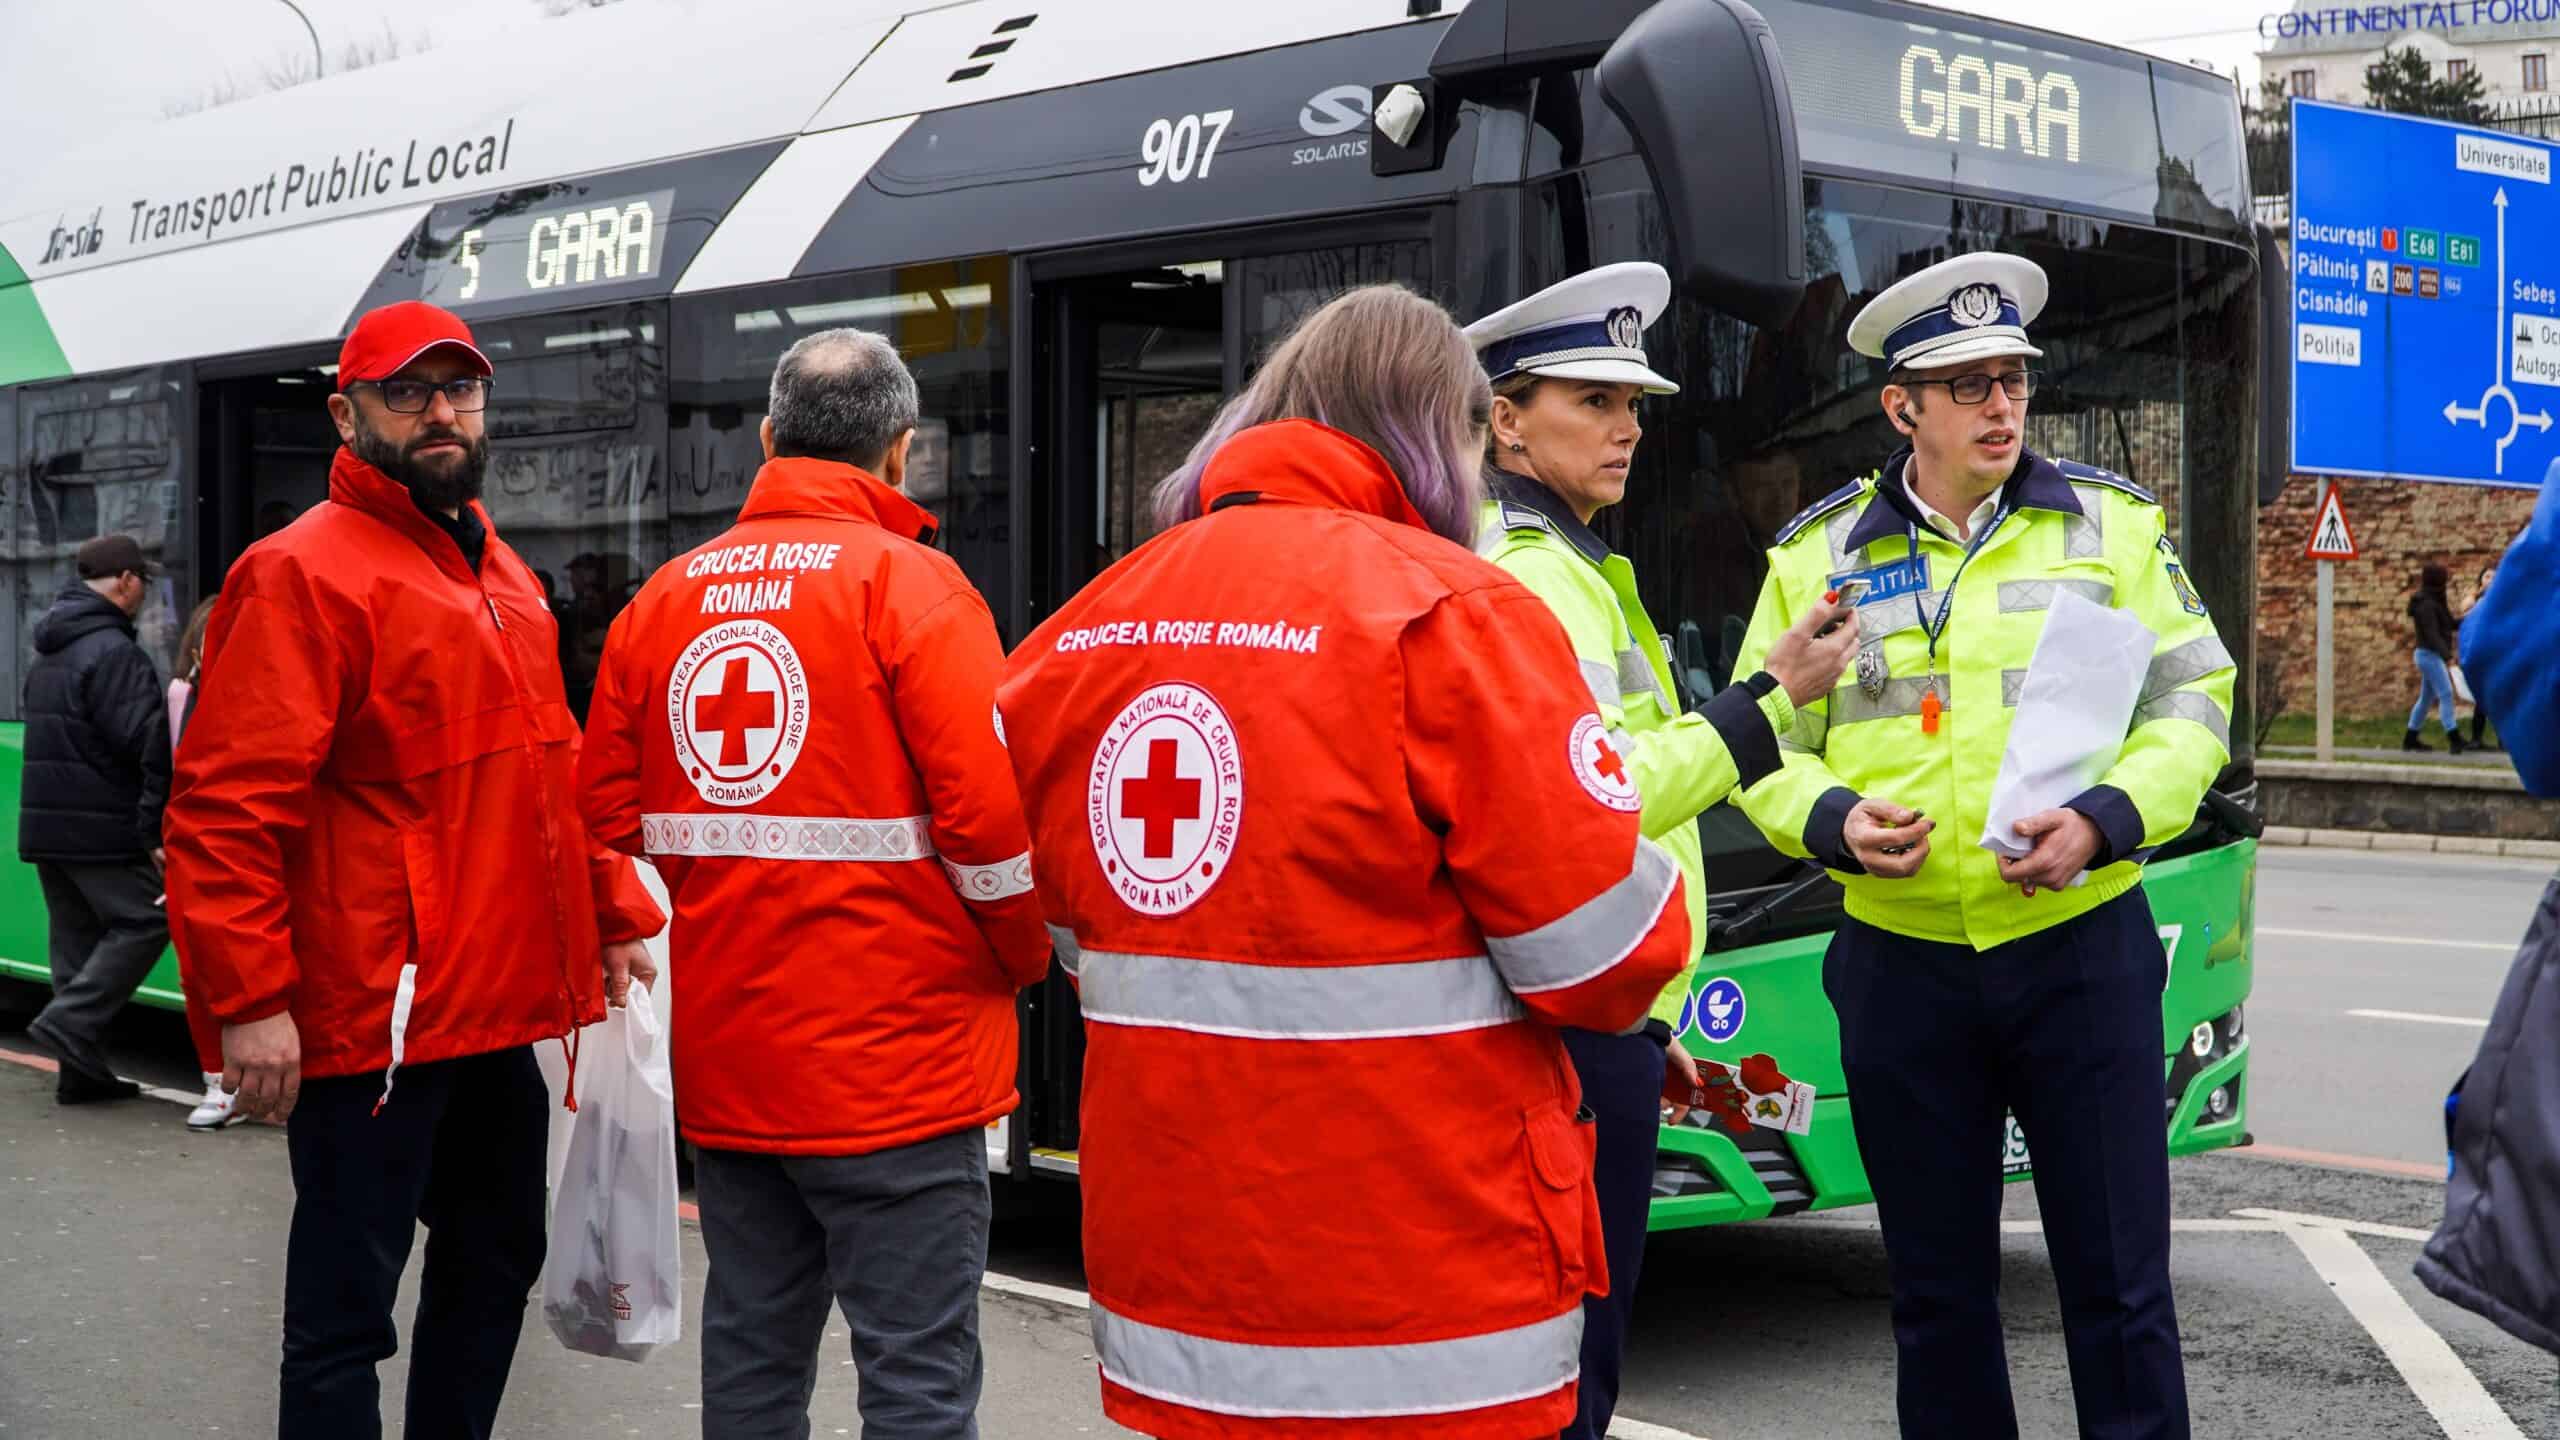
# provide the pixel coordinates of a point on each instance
(217, 1109)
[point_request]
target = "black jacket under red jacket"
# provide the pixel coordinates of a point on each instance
(97, 757)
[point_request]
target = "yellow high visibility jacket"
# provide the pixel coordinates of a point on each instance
(2060, 526)
(1683, 763)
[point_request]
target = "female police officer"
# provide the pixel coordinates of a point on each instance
(1568, 369)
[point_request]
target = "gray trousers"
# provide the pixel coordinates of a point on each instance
(108, 930)
(898, 1238)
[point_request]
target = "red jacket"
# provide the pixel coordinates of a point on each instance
(1318, 811)
(794, 722)
(373, 823)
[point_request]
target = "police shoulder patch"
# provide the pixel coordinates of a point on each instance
(1521, 517)
(1819, 508)
(2079, 474)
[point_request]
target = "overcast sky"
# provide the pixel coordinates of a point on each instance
(85, 67)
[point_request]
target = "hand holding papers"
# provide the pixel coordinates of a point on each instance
(2073, 709)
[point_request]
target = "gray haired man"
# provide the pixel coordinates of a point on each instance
(796, 722)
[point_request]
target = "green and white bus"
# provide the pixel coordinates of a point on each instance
(1082, 221)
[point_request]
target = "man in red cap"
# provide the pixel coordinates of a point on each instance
(378, 878)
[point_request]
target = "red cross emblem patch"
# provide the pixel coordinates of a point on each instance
(738, 707)
(1165, 797)
(1601, 761)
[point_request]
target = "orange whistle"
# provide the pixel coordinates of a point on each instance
(1929, 708)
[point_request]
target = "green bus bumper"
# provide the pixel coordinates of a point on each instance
(2203, 904)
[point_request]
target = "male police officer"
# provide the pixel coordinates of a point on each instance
(1967, 983)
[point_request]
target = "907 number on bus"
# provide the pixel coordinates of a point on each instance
(1176, 148)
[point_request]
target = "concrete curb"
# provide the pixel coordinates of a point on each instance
(2432, 844)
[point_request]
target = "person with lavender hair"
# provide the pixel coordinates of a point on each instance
(1326, 830)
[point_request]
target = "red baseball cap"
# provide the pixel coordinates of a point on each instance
(387, 340)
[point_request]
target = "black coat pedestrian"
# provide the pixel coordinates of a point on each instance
(96, 769)
(2493, 1254)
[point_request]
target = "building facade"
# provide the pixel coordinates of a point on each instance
(2319, 49)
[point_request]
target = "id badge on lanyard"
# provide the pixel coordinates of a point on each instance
(1932, 704)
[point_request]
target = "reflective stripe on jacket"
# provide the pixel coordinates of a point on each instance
(375, 823)
(2061, 527)
(1684, 763)
(796, 722)
(1318, 815)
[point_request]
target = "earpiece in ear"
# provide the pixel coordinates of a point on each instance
(1906, 418)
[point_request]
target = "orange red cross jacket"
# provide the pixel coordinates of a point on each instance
(1320, 826)
(373, 823)
(796, 722)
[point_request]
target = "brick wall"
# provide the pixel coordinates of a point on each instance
(2399, 526)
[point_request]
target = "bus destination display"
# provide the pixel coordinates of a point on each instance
(1878, 90)
(555, 250)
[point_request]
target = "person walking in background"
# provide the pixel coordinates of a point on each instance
(2432, 614)
(219, 1107)
(2479, 703)
(96, 776)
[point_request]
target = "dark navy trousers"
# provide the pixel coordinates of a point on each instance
(1622, 1087)
(2062, 1028)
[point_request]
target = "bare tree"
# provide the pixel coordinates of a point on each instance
(291, 67)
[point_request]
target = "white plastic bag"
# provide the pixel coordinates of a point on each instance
(613, 1284)
(553, 1057)
(2073, 710)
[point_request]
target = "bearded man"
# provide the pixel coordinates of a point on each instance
(378, 876)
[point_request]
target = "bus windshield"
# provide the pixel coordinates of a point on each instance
(2150, 365)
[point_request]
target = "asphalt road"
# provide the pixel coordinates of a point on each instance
(140, 1266)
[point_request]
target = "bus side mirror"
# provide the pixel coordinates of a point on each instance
(1699, 85)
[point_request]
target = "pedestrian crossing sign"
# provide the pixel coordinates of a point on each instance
(2331, 537)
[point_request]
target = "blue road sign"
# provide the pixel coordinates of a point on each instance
(2426, 299)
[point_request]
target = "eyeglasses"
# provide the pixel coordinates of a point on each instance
(1971, 389)
(412, 397)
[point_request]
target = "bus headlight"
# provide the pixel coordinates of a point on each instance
(2201, 1042)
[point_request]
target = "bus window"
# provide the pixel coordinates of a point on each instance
(98, 456)
(1277, 291)
(1159, 377)
(274, 433)
(577, 478)
(948, 319)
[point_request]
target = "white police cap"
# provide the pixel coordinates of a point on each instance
(1970, 308)
(1590, 327)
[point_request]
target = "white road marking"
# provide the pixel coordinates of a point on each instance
(1623, 1428)
(2461, 1406)
(2036, 1227)
(1035, 1290)
(2353, 937)
(2419, 1017)
(2290, 1218)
